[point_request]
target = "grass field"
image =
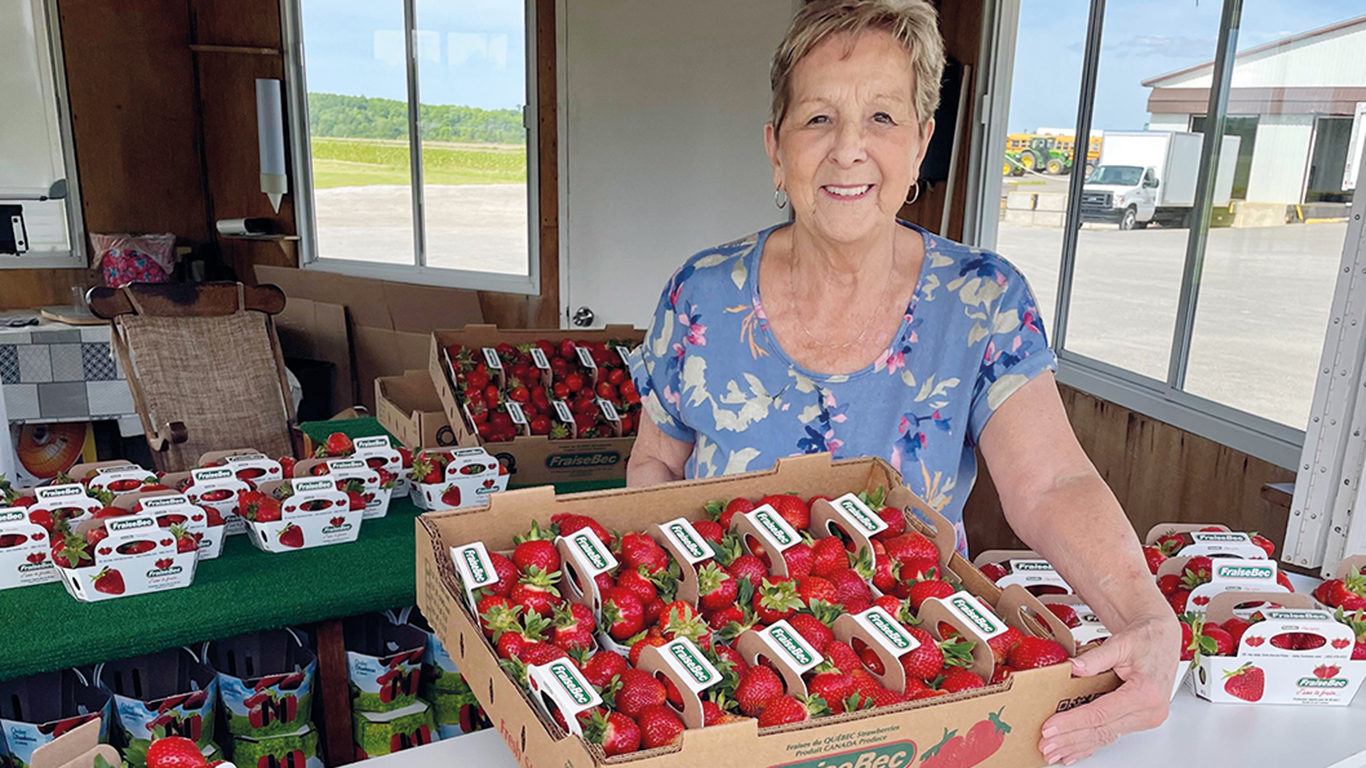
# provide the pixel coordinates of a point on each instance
(363, 162)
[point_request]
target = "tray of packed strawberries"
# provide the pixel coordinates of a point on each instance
(625, 621)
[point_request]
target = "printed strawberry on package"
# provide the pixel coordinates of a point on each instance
(289, 515)
(452, 478)
(707, 623)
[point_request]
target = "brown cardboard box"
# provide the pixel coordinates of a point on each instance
(533, 459)
(390, 323)
(316, 330)
(408, 407)
(898, 736)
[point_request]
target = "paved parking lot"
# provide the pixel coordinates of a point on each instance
(1263, 308)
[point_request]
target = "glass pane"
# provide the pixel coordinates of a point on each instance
(1132, 245)
(358, 120)
(472, 73)
(1268, 280)
(1038, 153)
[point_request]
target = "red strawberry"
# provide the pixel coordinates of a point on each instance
(1265, 544)
(536, 593)
(497, 615)
(1246, 682)
(757, 689)
(1235, 627)
(790, 508)
(723, 514)
(638, 584)
(603, 666)
(1178, 600)
(924, 590)
(911, 546)
(638, 690)
(927, 661)
(1187, 641)
(1066, 613)
(813, 589)
(1002, 644)
(717, 589)
(993, 571)
(650, 640)
(833, 687)
(709, 530)
(842, 656)
(785, 710)
(1154, 557)
(798, 559)
(748, 568)
(536, 553)
(574, 628)
(174, 752)
(815, 631)
(1169, 584)
(850, 587)
(1215, 641)
(895, 520)
(540, 653)
(776, 599)
(292, 536)
(615, 732)
(827, 556)
(957, 679)
(1035, 652)
(622, 613)
(569, 523)
(339, 444)
(652, 611)
(659, 727)
(1284, 581)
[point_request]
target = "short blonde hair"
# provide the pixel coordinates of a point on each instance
(912, 23)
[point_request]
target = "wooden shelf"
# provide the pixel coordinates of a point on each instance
(235, 49)
(267, 238)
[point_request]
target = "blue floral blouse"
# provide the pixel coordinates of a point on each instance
(710, 371)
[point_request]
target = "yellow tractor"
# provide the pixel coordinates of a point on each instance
(1019, 156)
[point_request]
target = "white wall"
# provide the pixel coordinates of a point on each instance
(664, 106)
(1169, 122)
(1280, 158)
(1334, 60)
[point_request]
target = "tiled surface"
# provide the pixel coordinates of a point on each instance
(109, 398)
(60, 399)
(64, 336)
(35, 364)
(14, 336)
(66, 362)
(95, 333)
(21, 401)
(9, 364)
(96, 364)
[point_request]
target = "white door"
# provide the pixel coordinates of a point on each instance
(663, 108)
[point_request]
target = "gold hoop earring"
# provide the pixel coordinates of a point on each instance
(780, 198)
(917, 193)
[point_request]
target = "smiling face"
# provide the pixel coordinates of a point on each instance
(851, 142)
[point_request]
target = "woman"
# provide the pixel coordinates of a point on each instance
(848, 331)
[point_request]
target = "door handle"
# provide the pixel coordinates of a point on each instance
(583, 317)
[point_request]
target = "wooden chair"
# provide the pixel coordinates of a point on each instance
(204, 366)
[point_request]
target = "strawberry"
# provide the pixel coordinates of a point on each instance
(573, 627)
(174, 752)
(924, 590)
(827, 556)
(659, 727)
(1000, 674)
(891, 604)
(622, 613)
(709, 530)
(748, 568)
(616, 733)
(536, 593)
(1035, 652)
(776, 599)
(536, 553)
(993, 571)
(1246, 682)
(842, 656)
(813, 629)
(1154, 557)
(1178, 600)
(1188, 644)
(108, 581)
(1002, 644)
(639, 550)
(540, 653)
(1235, 627)
(1267, 546)
(652, 611)
(638, 690)
(849, 587)
(602, 667)
(814, 589)
(798, 559)
(1216, 641)
(886, 573)
(785, 710)
(638, 584)
(566, 523)
(429, 468)
(957, 679)
(496, 615)
(911, 546)
(895, 520)
(1169, 584)
(1284, 581)
(927, 661)
(724, 513)
(832, 686)
(1356, 622)
(790, 508)
(530, 631)
(731, 614)
(716, 588)
(507, 574)
(1066, 613)
(1171, 544)
(338, 444)
(758, 687)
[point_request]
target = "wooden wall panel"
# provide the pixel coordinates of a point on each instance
(32, 288)
(1158, 472)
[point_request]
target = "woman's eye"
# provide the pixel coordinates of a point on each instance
(818, 120)
(883, 117)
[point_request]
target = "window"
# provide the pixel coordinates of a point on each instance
(37, 174)
(414, 139)
(1191, 279)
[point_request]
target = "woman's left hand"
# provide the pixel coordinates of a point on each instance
(1145, 655)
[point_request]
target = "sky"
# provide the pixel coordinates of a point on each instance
(470, 52)
(1141, 39)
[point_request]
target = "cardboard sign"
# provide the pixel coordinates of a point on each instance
(491, 358)
(539, 359)
(625, 355)
(766, 528)
(560, 685)
(586, 359)
(137, 557)
(848, 518)
(785, 648)
(475, 568)
(217, 487)
(516, 413)
(688, 543)
(316, 514)
(973, 620)
(24, 551)
(691, 674)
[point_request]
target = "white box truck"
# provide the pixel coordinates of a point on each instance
(1147, 176)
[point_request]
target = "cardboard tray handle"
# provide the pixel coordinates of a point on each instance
(1023, 611)
(1220, 608)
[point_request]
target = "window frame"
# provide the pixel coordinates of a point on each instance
(77, 256)
(1166, 400)
(296, 96)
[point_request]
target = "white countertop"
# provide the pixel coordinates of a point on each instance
(1197, 733)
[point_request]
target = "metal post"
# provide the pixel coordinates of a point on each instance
(415, 133)
(1090, 68)
(1201, 213)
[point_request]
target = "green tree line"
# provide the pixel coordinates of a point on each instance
(360, 117)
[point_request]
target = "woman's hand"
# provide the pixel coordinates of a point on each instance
(1145, 655)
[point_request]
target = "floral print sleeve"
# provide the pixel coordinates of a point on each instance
(711, 372)
(1016, 347)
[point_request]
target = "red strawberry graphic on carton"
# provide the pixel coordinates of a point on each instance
(37, 557)
(1341, 643)
(451, 496)
(337, 522)
(292, 536)
(982, 741)
(1246, 682)
(1326, 671)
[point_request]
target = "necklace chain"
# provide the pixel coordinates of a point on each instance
(792, 289)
